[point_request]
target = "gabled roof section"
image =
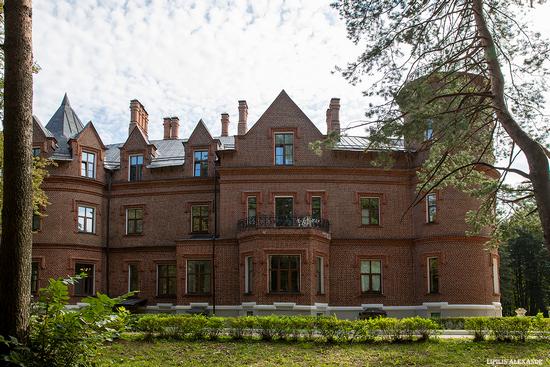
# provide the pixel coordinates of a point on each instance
(36, 122)
(89, 126)
(200, 135)
(137, 132)
(284, 105)
(64, 121)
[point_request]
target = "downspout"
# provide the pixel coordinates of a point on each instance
(108, 232)
(214, 240)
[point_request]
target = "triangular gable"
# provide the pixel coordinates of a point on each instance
(40, 129)
(286, 110)
(137, 136)
(200, 135)
(89, 127)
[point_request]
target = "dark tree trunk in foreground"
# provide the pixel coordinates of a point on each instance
(16, 245)
(536, 156)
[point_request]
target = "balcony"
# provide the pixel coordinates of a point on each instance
(264, 222)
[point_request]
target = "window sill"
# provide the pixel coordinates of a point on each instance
(433, 294)
(166, 296)
(370, 226)
(431, 223)
(198, 294)
(133, 235)
(89, 233)
(285, 293)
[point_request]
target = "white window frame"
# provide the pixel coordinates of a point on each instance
(87, 163)
(93, 231)
(130, 165)
(130, 276)
(247, 289)
(321, 274)
(429, 270)
(428, 207)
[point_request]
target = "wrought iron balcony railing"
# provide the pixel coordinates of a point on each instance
(264, 221)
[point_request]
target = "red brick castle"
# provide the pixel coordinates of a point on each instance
(254, 223)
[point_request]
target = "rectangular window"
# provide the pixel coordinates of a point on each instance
(316, 208)
(87, 166)
(34, 277)
(133, 278)
(320, 275)
(134, 221)
(85, 286)
(251, 209)
(284, 273)
(371, 276)
(370, 211)
(284, 211)
(35, 222)
(199, 275)
(248, 269)
(166, 280)
(496, 280)
(284, 149)
(136, 168)
(433, 275)
(199, 218)
(200, 165)
(86, 219)
(429, 132)
(431, 207)
(35, 152)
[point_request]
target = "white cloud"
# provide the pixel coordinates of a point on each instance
(193, 59)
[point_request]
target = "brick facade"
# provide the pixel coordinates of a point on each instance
(243, 166)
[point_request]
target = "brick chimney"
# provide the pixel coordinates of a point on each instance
(243, 116)
(334, 108)
(329, 122)
(225, 124)
(171, 127)
(138, 116)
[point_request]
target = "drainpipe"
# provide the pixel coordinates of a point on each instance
(108, 232)
(214, 240)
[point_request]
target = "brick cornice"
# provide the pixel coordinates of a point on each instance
(321, 170)
(66, 179)
(175, 182)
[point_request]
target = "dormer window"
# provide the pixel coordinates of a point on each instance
(136, 167)
(87, 166)
(36, 152)
(200, 163)
(284, 149)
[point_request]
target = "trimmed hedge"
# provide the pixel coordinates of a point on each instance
(292, 328)
(334, 330)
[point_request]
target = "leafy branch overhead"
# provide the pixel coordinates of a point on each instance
(472, 74)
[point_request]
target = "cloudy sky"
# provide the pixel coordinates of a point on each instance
(193, 59)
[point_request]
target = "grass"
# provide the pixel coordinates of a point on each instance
(445, 352)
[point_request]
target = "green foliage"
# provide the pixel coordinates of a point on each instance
(479, 327)
(541, 327)
(62, 337)
(450, 323)
(508, 329)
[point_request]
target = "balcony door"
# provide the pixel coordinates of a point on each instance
(284, 211)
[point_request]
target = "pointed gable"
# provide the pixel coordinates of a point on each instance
(284, 112)
(38, 128)
(88, 136)
(137, 140)
(200, 135)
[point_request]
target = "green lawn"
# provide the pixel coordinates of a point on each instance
(256, 353)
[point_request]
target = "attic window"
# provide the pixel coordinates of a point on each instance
(87, 166)
(200, 164)
(136, 167)
(284, 149)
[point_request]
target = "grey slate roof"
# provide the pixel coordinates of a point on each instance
(361, 143)
(64, 125)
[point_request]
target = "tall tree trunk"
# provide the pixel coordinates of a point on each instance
(16, 245)
(535, 154)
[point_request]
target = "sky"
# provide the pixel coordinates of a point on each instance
(194, 59)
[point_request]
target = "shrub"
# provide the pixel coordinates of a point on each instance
(62, 337)
(541, 327)
(239, 326)
(413, 326)
(509, 328)
(450, 323)
(390, 329)
(477, 325)
(328, 327)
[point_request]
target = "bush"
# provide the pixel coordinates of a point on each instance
(450, 323)
(541, 327)
(418, 326)
(239, 326)
(390, 329)
(328, 327)
(62, 337)
(477, 325)
(509, 328)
